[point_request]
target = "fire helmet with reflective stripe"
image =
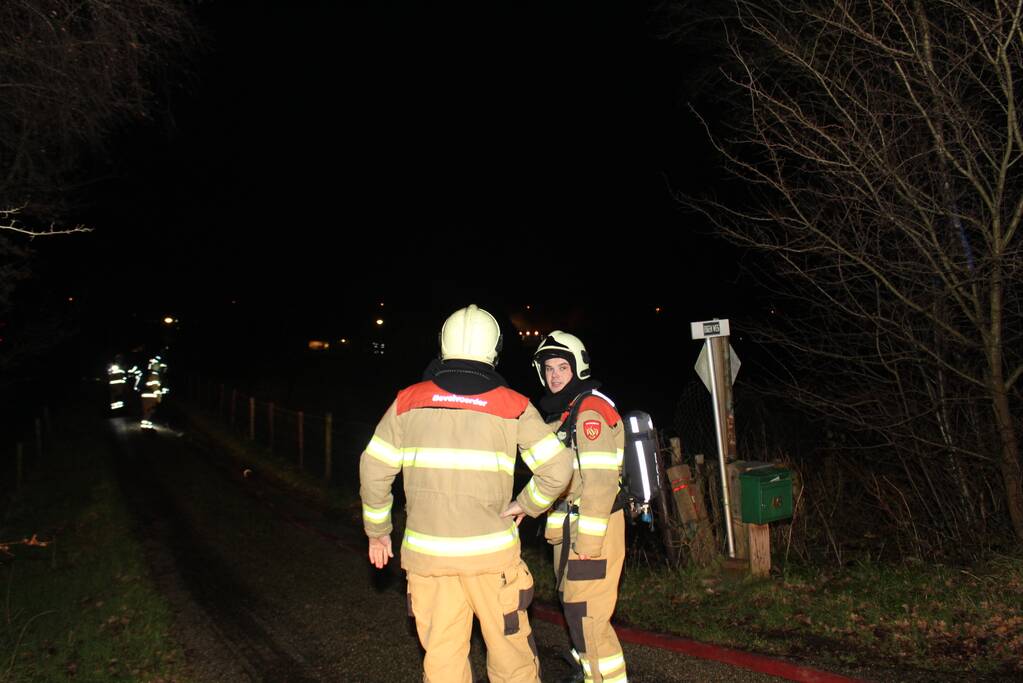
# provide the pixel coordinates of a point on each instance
(470, 333)
(560, 344)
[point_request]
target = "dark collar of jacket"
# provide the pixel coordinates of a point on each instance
(463, 377)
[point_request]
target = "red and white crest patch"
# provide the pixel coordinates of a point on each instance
(591, 428)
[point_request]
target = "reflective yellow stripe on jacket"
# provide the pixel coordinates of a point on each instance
(384, 452)
(599, 460)
(460, 546)
(458, 459)
(376, 515)
(441, 458)
(533, 491)
(594, 526)
(542, 451)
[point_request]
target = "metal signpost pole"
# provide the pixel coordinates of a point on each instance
(707, 330)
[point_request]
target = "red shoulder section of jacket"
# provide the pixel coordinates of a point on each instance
(502, 401)
(606, 410)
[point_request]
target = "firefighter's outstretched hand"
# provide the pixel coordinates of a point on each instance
(514, 510)
(380, 551)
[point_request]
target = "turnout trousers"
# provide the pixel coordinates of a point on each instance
(443, 607)
(589, 593)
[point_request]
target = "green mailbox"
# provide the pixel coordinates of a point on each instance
(766, 494)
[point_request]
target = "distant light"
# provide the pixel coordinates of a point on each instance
(528, 307)
(657, 310)
(318, 345)
(381, 304)
(380, 321)
(535, 333)
(70, 298)
(342, 340)
(169, 320)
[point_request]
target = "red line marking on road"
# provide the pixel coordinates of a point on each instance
(758, 663)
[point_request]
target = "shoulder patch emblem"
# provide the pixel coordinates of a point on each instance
(591, 428)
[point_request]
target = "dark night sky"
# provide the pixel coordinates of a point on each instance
(321, 156)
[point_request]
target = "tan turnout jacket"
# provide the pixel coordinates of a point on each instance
(457, 455)
(600, 438)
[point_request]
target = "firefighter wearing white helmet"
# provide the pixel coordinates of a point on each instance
(471, 333)
(587, 524)
(454, 436)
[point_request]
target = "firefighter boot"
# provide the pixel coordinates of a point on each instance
(576, 675)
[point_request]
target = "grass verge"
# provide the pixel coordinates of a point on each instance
(81, 607)
(931, 617)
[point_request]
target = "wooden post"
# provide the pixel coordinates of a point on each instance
(676, 451)
(739, 529)
(21, 465)
(270, 421)
(667, 538)
(328, 435)
(234, 397)
(723, 371)
(693, 514)
(301, 441)
(759, 549)
(252, 418)
(709, 484)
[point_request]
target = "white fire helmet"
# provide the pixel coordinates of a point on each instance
(471, 333)
(560, 344)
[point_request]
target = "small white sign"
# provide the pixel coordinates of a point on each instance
(709, 328)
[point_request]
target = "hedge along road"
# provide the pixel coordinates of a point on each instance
(266, 590)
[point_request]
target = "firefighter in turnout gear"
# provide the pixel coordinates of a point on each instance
(587, 524)
(454, 437)
(151, 391)
(118, 382)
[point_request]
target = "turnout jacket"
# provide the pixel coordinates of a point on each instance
(596, 480)
(457, 456)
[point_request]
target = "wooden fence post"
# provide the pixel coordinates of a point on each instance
(270, 419)
(740, 532)
(301, 441)
(327, 464)
(759, 549)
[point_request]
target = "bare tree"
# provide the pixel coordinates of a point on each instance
(71, 71)
(881, 141)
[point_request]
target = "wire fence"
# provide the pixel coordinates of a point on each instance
(22, 449)
(320, 445)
